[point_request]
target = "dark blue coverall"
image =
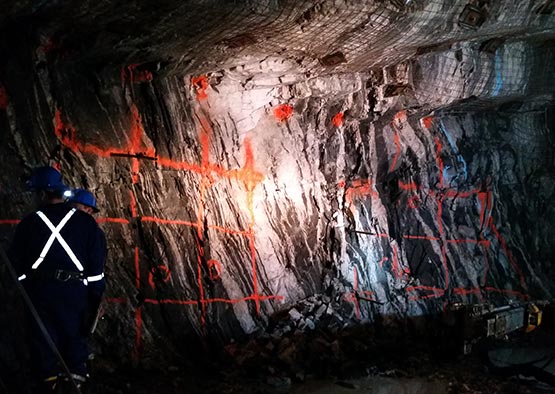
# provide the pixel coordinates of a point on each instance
(62, 305)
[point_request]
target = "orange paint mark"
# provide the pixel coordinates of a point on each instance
(138, 330)
(133, 204)
(426, 122)
(424, 237)
(359, 189)
(112, 220)
(414, 202)
(400, 117)
(113, 300)
(170, 302)
(10, 221)
(383, 260)
(4, 101)
(283, 112)
(397, 153)
(439, 162)
(337, 120)
(463, 291)
(214, 269)
(426, 288)
(408, 186)
(135, 75)
(162, 273)
(395, 264)
(507, 253)
(200, 84)
(167, 221)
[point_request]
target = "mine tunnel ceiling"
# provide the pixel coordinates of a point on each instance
(308, 37)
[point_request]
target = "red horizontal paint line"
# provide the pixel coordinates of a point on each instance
(426, 288)
(408, 186)
(508, 292)
(458, 194)
(249, 298)
(484, 242)
(425, 237)
(112, 220)
(427, 296)
(10, 221)
(167, 221)
(463, 291)
(114, 300)
(171, 302)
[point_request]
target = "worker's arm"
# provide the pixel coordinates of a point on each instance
(19, 249)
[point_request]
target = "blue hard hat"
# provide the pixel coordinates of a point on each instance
(46, 178)
(84, 197)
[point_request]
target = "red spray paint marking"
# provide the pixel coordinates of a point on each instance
(283, 112)
(162, 272)
(424, 237)
(352, 296)
(4, 101)
(426, 122)
(439, 162)
(133, 204)
(138, 331)
(397, 153)
(337, 120)
(414, 202)
(408, 186)
(200, 84)
(359, 189)
(10, 221)
(170, 302)
(112, 220)
(463, 291)
(507, 253)
(132, 74)
(383, 260)
(214, 269)
(115, 300)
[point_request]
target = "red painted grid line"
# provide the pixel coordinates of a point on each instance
(10, 221)
(352, 296)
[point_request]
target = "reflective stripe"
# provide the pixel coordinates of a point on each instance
(56, 235)
(95, 278)
(22, 277)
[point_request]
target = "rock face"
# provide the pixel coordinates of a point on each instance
(399, 172)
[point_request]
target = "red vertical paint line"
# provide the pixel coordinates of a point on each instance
(439, 215)
(482, 199)
(439, 162)
(138, 331)
(507, 253)
(137, 132)
(355, 299)
(397, 153)
(133, 204)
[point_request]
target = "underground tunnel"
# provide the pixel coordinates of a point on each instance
(325, 196)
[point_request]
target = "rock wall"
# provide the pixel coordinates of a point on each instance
(231, 195)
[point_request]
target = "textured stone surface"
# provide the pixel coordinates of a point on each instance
(236, 191)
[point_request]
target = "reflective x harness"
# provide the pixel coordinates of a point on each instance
(56, 235)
